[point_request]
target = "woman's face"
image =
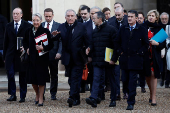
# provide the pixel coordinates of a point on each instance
(36, 21)
(107, 15)
(152, 17)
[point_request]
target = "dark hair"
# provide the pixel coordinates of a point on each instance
(118, 3)
(85, 7)
(133, 12)
(125, 11)
(105, 9)
(100, 15)
(48, 10)
(141, 13)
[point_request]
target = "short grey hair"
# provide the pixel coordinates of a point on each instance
(37, 14)
(19, 9)
(95, 7)
(119, 9)
(68, 10)
(164, 13)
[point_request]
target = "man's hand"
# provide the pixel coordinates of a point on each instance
(39, 47)
(111, 62)
(162, 56)
(58, 56)
(22, 49)
(87, 51)
(54, 33)
(153, 42)
(89, 59)
(28, 51)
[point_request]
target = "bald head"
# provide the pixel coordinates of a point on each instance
(119, 13)
(17, 14)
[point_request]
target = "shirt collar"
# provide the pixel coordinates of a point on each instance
(51, 23)
(132, 26)
(19, 23)
(86, 20)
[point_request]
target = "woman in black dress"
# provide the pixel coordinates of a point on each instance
(153, 54)
(37, 42)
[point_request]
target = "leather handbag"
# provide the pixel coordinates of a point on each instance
(24, 57)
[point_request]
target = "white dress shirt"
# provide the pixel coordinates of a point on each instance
(19, 23)
(50, 26)
(93, 25)
(86, 20)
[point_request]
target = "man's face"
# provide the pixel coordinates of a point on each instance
(96, 20)
(116, 6)
(17, 15)
(140, 18)
(132, 18)
(119, 15)
(107, 15)
(70, 17)
(164, 19)
(48, 16)
(92, 12)
(85, 15)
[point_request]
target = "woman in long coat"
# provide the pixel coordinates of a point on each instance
(37, 42)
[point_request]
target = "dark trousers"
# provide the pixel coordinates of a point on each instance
(99, 82)
(167, 78)
(12, 84)
(74, 80)
(130, 77)
(53, 66)
(117, 77)
(141, 80)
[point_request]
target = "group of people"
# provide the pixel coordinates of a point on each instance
(90, 31)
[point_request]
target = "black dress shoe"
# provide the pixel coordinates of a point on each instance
(22, 100)
(76, 102)
(98, 100)
(166, 86)
(91, 102)
(53, 97)
(162, 83)
(40, 104)
(153, 104)
(36, 102)
(143, 90)
(112, 104)
(118, 97)
(12, 98)
(130, 107)
(150, 100)
(70, 102)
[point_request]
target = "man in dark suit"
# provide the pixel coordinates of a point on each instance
(11, 55)
(131, 43)
(55, 53)
(3, 22)
(74, 37)
(118, 22)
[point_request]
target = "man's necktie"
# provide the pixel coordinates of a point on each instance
(131, 28)
(16, 28)
(48, 26)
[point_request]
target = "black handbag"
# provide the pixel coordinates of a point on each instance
(24, 57)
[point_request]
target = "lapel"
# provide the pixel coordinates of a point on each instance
(131, 32)
(12, 27)
(43, 24)
(53, 26)
(74, 33)
(20, 27)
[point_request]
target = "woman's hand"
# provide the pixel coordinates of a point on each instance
(39, 47)
(28, 51)
(153, 42)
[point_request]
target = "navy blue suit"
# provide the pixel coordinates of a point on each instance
(131, 46)
(72, 60)
(12, 58)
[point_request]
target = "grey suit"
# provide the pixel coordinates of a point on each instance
(53, 64)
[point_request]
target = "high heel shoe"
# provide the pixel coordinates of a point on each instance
(36, 102)
(153, 104)
(40, 104)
